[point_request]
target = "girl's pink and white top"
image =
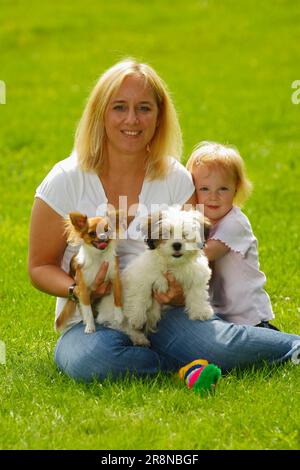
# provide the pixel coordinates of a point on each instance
(237, 285)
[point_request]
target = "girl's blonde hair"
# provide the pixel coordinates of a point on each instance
(90, 135)
(224, 157)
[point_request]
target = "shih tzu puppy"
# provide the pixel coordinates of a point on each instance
(175, 240)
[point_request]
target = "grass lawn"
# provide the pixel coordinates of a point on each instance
(230, 65)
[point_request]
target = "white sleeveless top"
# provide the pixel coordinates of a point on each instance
(67, 188)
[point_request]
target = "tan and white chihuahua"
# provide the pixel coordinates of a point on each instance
(97, 246)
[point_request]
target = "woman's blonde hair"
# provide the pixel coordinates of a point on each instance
(223, 157)
(90, 134)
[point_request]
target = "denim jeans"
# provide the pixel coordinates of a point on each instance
(178, 340)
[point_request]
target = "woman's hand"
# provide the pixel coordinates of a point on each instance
(100, 287)
(174, 295)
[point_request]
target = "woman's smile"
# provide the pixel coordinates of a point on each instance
(131, 133)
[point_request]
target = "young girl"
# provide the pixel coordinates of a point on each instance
(237, 284)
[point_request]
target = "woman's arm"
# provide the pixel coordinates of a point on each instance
(215, 249)
(47, 244)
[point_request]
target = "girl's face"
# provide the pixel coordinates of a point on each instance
(131, 117)
(215, 189)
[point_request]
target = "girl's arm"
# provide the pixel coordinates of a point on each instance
(214, 249)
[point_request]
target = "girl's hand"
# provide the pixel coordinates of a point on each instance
(174, 295)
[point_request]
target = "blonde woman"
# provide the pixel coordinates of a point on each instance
(127, 147)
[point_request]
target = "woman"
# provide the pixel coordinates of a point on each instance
(123, 144)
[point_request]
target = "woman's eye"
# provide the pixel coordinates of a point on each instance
(223, 188)
(144, 108)
(119, 107)
(203, 188)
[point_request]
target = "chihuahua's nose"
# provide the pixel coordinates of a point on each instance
(177, 246)
(103, 236)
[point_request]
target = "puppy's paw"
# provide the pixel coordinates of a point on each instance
(206, 313)
(203, 313)
(139, 339)
(90, 328)
(136, 323)
(137, 326)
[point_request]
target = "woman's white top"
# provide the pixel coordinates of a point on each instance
(237, 284)
(67, 188)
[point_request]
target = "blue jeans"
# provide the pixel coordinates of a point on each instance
(110, 353)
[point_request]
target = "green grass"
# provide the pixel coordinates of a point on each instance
(230, 66)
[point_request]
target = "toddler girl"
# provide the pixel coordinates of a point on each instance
(237, 284)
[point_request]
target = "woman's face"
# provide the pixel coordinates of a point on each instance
(131, 117)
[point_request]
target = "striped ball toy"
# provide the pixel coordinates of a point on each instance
(200, 376)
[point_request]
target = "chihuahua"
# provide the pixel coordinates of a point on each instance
(97, 246)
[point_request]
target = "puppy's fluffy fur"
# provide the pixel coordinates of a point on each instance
(175, 245)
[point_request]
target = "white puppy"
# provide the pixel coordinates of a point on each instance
(175, 241)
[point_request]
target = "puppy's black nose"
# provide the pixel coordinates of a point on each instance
(177, 246)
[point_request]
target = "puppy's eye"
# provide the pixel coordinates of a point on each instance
(92, 234)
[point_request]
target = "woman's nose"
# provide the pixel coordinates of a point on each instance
(132, 117)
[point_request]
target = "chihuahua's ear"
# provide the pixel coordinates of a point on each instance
(79, 221)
